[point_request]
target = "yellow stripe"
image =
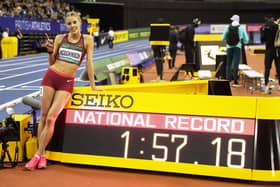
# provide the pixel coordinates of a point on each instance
(159, 42)
(159, 24)
(149, 96)
(268, 108)
(265, 175)
(208, 37)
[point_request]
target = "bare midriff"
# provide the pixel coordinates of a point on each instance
(66, 68)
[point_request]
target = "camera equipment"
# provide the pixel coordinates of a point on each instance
(30, 101)
(9, 132)
(31, 143)
(35, 105)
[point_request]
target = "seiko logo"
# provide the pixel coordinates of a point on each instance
(102, 100)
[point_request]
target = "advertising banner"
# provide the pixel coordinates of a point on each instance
(35, 25)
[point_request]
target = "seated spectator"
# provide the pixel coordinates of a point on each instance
(5, 33)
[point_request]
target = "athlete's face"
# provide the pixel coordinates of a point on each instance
(73, 24)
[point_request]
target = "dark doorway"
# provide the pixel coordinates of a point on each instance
(110, 15)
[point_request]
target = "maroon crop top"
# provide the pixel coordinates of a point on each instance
(73, 53)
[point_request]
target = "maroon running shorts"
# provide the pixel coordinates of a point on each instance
(58, 80)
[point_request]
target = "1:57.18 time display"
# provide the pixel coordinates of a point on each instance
(161, 145)
(230, 152)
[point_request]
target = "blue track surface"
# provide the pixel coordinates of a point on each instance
(21, 76)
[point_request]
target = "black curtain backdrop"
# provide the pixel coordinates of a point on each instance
(125, 14)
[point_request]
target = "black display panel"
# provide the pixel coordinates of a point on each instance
(196, 148)
(159, 33)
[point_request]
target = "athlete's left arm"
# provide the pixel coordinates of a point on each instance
(89, 64)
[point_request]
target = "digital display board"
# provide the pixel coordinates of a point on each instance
(161, 137)
(221, 136)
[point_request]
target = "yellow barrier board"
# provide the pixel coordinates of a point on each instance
(207, 37)
(120, 36)
(171, 127)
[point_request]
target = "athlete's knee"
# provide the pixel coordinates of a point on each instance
(50, 121)
(43, 117)
(43, 114)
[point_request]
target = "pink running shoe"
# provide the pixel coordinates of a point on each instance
(43, 162)
(31, 165)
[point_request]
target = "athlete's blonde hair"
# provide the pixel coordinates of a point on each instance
(73, 13)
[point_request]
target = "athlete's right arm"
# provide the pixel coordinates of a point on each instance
(52, 48)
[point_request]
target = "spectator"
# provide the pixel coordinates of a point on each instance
(158, 51)
(158, 54)
(102, 37)
(268, 33)
(189, 40)
(234, 50)
(111, 35)
(19, 37)
(173, 39)
(96, 38)
(18, 33)
(5, 33)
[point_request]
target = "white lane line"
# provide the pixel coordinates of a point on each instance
(21, 89)
(21, 59)
(18, 75)
(41, 64)
(19, 85)
(23, 67)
